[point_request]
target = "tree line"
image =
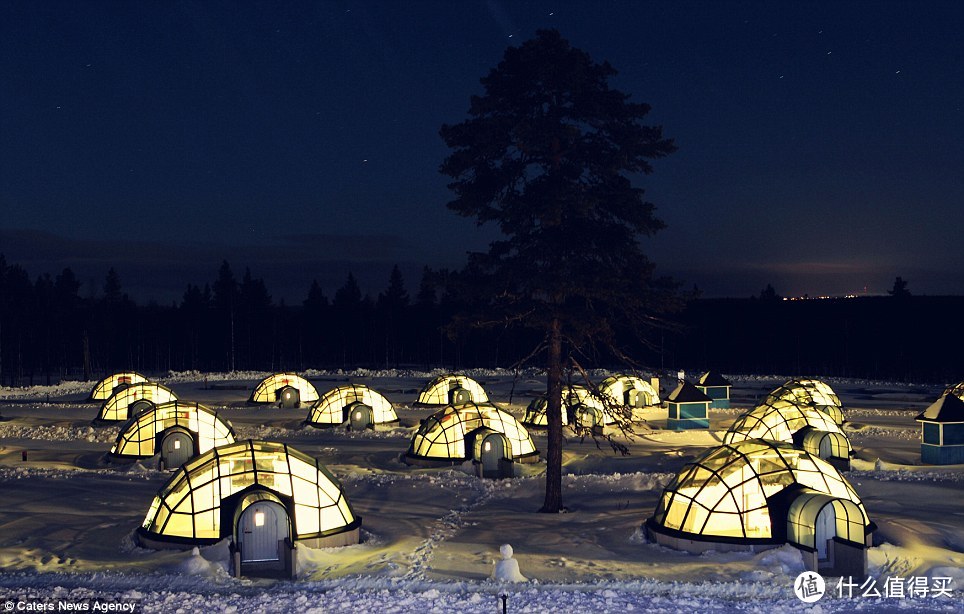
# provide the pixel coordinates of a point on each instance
(49, 331)
(899, 337)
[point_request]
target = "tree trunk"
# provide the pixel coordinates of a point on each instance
(87, 367)
(553, 502)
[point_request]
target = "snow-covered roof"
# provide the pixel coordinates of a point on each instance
(948, 408)
(713, 379)
(687, 393)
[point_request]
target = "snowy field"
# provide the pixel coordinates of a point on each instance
(431, 536)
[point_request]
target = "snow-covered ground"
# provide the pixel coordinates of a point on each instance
(432, 536)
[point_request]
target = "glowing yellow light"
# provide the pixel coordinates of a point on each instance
(287, 395)
(488, 446)
(259, 519)
(177, 444)
(357, 415)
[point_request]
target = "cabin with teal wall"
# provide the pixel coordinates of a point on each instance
(688, 408)
(717, 387)
(942, 432)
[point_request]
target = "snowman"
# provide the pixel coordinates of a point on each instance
(507, 570)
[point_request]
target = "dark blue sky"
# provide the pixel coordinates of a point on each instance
(821, 144)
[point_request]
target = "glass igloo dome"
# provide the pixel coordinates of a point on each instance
(764, 493)
(112, 383)
(802, 426)
(196, 427)
(813, 393)
(452, 389)
(956, 390)
(336, 407)
(449, 434)
(589, 410)
(204, 501)
(272, 388)
(629, 390)
(128, 402)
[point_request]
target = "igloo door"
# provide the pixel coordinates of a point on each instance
(289, 398)
(176, 449)
(631, 398)
(826, 448)
(138, 406)
(493, 456)
(588, 417)
(262, 529)
(459, 396)
(824, 531)
(360, 417)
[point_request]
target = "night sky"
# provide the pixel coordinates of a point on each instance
(821, 144)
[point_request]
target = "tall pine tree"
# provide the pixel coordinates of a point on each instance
(548, 154)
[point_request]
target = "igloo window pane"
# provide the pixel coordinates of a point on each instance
(307, 519)
(725, 525)
(675, 513)
(310, 493)
(206, 497)
(162, 515)
(180, 524)
(206, 525)
(696, 517)
(331, 516)
(757, 523)
(177, 494)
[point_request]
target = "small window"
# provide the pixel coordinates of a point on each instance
(932, 433)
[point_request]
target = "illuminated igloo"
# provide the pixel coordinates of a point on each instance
(262, 496)
(802, 426)
(131, 400)
(286, 390)
(357, 404)
(813, 393)
(451, 389)
(588, 410)
(175, 431)
(492, 438)
(630, 390)
(957, 390)
(103, 389)
(758, 494)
